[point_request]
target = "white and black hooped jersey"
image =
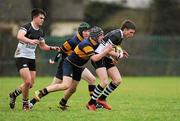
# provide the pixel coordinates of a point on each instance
(27, 50)
(113, 37)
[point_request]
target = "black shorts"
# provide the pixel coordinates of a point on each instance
(105, 62)
(59, 73)
(25, 63)
(72, 70)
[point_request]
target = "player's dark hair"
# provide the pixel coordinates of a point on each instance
(36, 11)
(128, 24)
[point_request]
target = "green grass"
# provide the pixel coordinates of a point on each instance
(137, 99)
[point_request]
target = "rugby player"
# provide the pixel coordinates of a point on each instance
(30, 35)
(106, 65)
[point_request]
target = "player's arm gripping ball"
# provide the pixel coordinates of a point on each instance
(122, 53)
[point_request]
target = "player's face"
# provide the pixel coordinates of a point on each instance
(85, 33)
(100, 38)
(39, 20)
(128, 33)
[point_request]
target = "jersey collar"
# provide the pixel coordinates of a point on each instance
(35, 28)
(79, 37)
(121, 33)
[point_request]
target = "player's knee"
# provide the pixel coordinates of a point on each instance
(117, 82)
(92, 80)
(73, 90)
(56, 81)
(28, 83)
(104, 83)
(66, 86)
(31, 86)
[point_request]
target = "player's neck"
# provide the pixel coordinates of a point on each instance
(34, 25)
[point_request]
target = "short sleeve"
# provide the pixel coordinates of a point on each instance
(88, 50)
(25, 27)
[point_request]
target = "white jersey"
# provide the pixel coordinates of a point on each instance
(27, 50)
(114, 37)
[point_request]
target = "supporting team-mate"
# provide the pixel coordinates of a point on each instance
(73, 64)
(30, 35)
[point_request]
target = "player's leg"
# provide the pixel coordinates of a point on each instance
(13, 95)
(53, 88)
(113, 72)
(56, 81)
(22, 65)
(67, 94)
(59, 74)
(67, 79)
(26, 77)
(77, 73)
(33, 77)
(103, 77)
(90, 78)
(68, 71)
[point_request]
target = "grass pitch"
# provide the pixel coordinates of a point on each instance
(137, 99)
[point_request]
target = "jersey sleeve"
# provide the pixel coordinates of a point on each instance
(58, 55)
(25, 28)
(88, 50)
(67, 46)
(115, 38)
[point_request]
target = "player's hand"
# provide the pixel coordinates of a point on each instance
(51, 61)
(33, 41)
(114, 61)
(55, 48)
(125, 54)
(108, 48)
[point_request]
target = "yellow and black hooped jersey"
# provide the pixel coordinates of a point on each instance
(68, 47)
(70, 44)
(83, 51)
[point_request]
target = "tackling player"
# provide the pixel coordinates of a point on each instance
(66, 49)
(73, 64)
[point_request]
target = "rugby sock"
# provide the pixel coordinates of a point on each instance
(25, 104)
(111, 87)
(42, 93)
(33, 101)
(25, 101)
(97, 91)
(63, 102)
(91, 89)
(16, 92)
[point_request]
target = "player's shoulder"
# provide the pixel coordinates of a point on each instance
(72, 39)
(26, 26)
(84, 43)
(116, 32)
